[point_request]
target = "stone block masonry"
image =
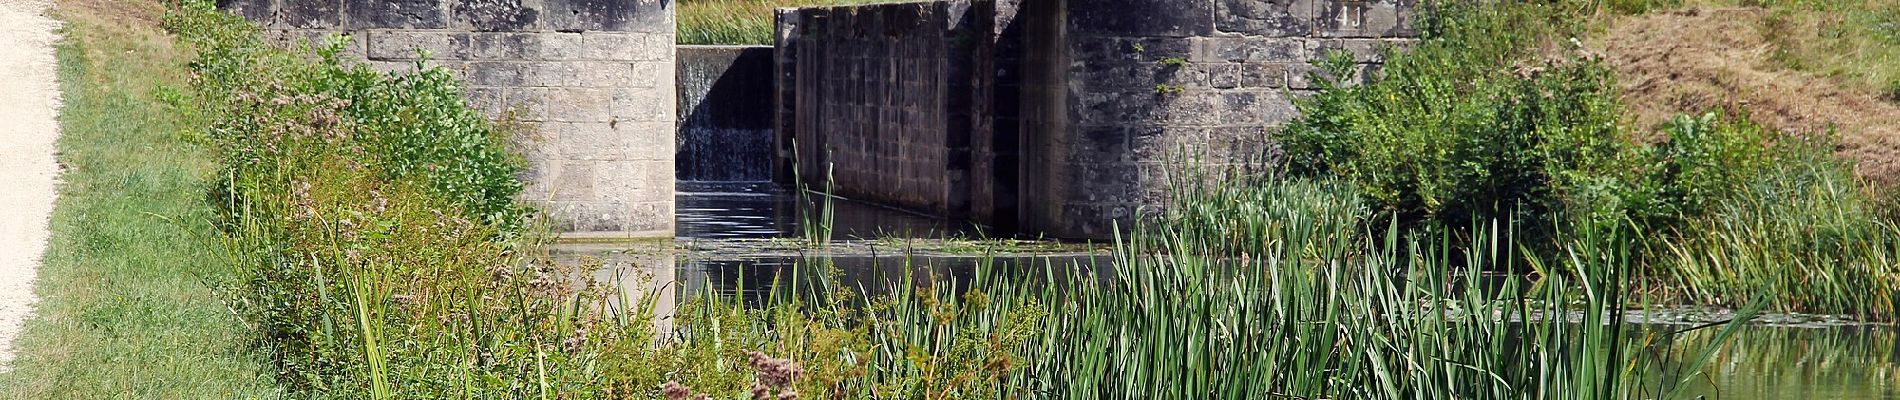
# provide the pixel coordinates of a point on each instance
(1064, 118)
(884, 101)
(1125, 93)
(595, 78)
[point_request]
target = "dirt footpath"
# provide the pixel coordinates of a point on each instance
(29, 104)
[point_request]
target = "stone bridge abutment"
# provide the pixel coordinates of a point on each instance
(1058, 117)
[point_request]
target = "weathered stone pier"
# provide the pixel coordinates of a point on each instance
(1057, 117)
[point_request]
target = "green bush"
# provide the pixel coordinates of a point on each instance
(372, 218)
(1479, 121)
(413, 128)
(1467, 125)
(1705, 161)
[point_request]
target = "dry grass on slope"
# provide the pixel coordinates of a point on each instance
(1696, 60)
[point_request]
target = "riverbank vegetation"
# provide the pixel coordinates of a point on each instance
(369, 215)
(1472, 223)
(1502, 113)
(129, 292)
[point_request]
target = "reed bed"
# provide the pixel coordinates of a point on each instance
(1317, 307)
(371, 218)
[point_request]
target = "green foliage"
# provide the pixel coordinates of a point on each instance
(416, 128)
(1801, 227)
(370, 218)
(1469, 124)
(126, 293)
(1705, 161)
(1466, 125)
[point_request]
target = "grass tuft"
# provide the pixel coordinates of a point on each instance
(738, 22)
(130, 288)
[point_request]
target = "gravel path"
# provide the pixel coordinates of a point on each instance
(29, 104)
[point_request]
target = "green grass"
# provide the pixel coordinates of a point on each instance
(1303, 302)
(1476, 123)
(1855, 42)
(129, 300)
(367, 283)
(737, 22)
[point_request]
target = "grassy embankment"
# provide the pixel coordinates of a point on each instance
(1854, 41)
(130, 301)
(737, 22)
(379, 262)
(1499, 114)
(378, 258)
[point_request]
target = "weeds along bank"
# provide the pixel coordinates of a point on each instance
(1500, 114)
(373, 221)
(371, 217)
(127, 288)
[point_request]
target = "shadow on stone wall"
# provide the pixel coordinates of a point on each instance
(725, 131)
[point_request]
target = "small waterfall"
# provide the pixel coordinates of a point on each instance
(725, 114)
(723, 154)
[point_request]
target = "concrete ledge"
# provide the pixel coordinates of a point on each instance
(614, 237)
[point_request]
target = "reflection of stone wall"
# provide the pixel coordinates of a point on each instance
(595, 76)
(1148, 81)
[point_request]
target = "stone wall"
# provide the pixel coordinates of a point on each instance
(1130, 89)
(725, 128)
(1040, 116)
(594, 77)
(884, 99)
(1058, 117)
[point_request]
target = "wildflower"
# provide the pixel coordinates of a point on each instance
(775, 372)
(673, 390)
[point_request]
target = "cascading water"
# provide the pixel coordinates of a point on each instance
(725, 106)
(723, 154)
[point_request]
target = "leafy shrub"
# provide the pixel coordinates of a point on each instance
(1477, 122)
(373, 220)
(413, 128)
(1467, 125)
(1704, 162)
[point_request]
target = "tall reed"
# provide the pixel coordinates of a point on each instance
(1311, 305)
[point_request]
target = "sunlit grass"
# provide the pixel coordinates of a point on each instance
(738, 22)
(130, 305)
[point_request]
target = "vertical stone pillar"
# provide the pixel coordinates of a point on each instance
(784, 92)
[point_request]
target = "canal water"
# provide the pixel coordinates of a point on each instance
(1800, 361)
(742, 237)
